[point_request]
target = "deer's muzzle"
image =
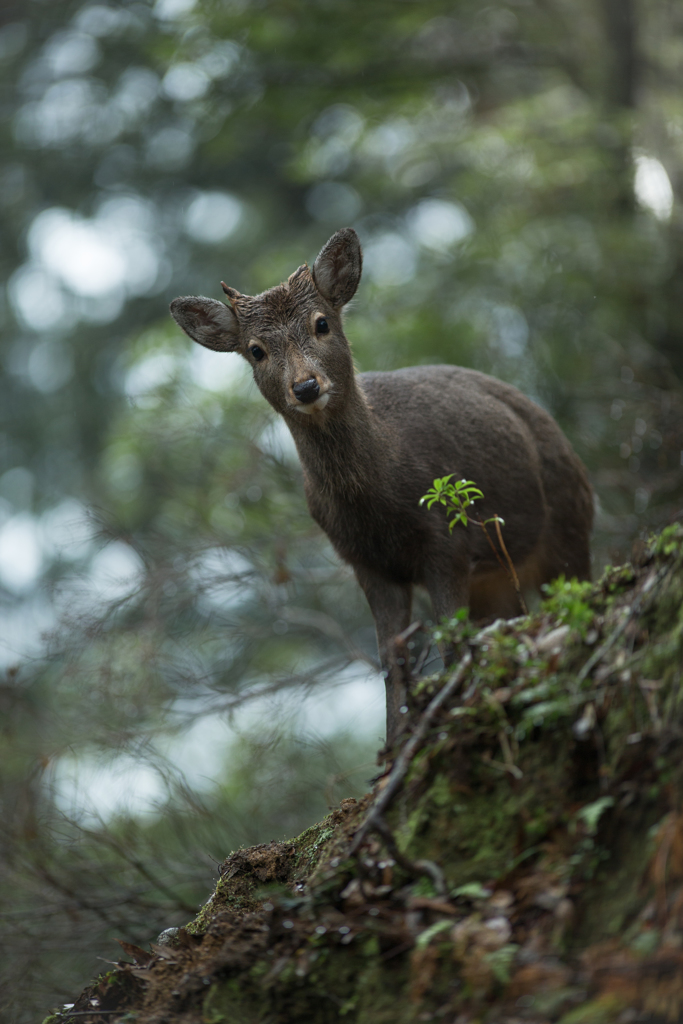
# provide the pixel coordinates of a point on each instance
(307, 392)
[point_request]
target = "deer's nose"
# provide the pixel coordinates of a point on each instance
(307, 392)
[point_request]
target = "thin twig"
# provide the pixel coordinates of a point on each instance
(68, 1014)
(414, 867)
(405, 636)
(509, 568)
(598, 655)
(402, 763)
(420, 663)
(515, 578)
(500, 561)
(329, 627)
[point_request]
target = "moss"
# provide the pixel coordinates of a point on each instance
(605, 1010)
(614, 895)
(319, 997)
(310, 844)
(225, 1003)
(248, 877)
(669, 542)
(382, 997)
(241, 895)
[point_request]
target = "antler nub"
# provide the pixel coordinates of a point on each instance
(231, 293)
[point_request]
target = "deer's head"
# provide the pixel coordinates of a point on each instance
(292, 334)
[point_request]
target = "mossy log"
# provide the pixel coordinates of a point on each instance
(528, 865)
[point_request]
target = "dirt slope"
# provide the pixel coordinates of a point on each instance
(524, 862)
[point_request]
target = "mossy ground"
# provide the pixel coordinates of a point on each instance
(529, 869)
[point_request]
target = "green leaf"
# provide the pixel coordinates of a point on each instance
(591, 813)
(425, 937)
(472, 891)
(500, 961)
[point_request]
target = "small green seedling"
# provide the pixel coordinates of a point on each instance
(457, 498)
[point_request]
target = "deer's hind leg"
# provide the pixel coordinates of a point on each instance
(493, 596)
(390, 604)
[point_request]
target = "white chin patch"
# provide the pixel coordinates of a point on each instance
(316, 406)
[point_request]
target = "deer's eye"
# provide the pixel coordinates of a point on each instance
(322, 326)
(257, 353)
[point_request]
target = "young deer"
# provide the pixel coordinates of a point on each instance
(371, 444)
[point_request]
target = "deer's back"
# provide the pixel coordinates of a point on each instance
(448, 419)
(481, 427)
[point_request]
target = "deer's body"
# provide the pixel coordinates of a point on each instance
(371, 445)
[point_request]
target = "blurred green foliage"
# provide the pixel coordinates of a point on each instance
(514, 172)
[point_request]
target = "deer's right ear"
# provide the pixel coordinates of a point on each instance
(337, 270)
(211, 323)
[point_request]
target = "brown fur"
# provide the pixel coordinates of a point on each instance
(374, 449)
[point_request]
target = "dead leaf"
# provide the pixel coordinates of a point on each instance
(141, 956)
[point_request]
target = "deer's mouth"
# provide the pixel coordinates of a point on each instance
(317, 406)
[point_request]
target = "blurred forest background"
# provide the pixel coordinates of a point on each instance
(186, 667)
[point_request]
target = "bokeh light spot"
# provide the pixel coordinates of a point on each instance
(213, 216)
(652, 186)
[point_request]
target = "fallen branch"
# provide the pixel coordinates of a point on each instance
(402, 763)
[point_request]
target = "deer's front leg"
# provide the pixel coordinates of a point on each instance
(390, 604)
(449, 591)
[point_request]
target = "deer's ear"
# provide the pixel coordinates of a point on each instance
(337, 270)
(211, 323)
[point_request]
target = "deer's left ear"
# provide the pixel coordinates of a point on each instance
(208, 322)
(337, 270)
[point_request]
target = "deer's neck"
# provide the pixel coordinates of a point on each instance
(345, 450)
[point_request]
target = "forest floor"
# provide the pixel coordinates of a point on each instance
(522, 862)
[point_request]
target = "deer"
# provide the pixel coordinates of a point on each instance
(371, 444)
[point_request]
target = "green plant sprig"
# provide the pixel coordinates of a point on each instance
(457, 498)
